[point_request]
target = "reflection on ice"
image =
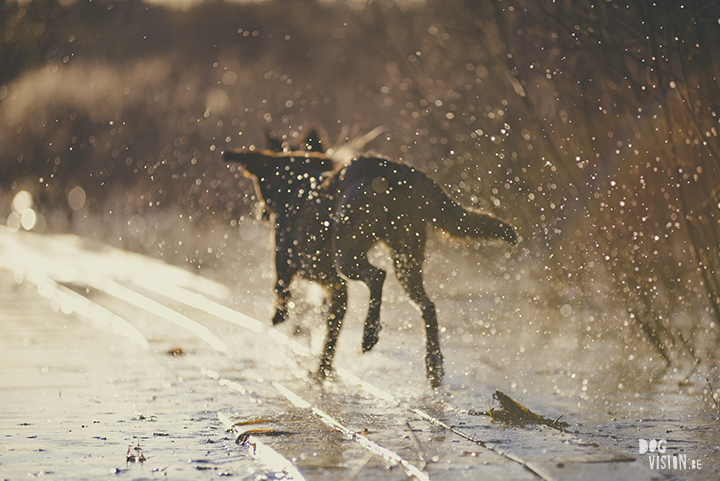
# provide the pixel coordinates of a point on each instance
(562, 372)
(68, 302)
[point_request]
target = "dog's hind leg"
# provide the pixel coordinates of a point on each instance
(283, 296)
(338, 307)
(354, 264)
(408, 268)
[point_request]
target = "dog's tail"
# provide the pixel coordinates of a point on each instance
(460, 222)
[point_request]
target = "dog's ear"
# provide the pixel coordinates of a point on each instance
(315, 140)
(273, 142)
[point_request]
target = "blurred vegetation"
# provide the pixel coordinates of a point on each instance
(592, 125)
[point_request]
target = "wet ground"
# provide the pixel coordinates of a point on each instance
(115, 365)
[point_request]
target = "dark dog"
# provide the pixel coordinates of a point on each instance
(326, 221)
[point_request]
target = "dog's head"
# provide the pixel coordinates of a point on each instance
(279, 176)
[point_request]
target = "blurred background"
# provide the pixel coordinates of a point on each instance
(590, 125)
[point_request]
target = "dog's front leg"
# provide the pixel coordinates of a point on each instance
(285, 273)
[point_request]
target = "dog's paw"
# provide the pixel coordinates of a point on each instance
(371, 336)
(322, 375)
(280, 316)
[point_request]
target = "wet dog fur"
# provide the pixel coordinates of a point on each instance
(327, 219)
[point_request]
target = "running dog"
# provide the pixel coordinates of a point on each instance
(327, 219)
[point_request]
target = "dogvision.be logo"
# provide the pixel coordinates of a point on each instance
(660, 459)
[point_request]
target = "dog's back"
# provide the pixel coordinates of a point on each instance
(377, 200)
(381, 200)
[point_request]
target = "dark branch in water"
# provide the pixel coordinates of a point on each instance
(514, 413)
